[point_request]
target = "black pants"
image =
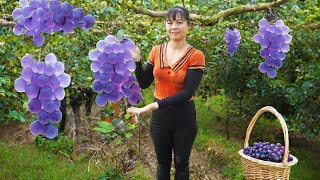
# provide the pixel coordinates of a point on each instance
(174, 128)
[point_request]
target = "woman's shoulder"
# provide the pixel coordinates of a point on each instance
(157, 49)
(197, 53)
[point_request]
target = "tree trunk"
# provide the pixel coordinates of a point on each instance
(89, 101)
(75, 110)
(64, 115)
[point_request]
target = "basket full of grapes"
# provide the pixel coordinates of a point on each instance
(264, 160)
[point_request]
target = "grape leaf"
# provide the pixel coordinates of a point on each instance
(105, 127)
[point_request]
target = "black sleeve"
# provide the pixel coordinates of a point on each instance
(191, 84)
(144, 76)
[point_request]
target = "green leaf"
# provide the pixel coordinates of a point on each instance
(141, 123)
(307, 84)
(127, 116)
(105, 125)
(21, 117)
(53, 144)
(131, 126)
(116, 121)
(118, 141)
(1, 68)
(101, 130)
(128, 135)
(49, 155)
(120, 33)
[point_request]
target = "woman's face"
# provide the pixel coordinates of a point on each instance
(177, 29)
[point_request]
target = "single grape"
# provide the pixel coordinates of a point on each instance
(49, 106)
(42, 14)
(38, 40)
(95, 66)
(18, 29)
(27, 12)
(59, 93)
(108, 87)
(41, 67)
(34, 105)
(108, 48)
(66, 8)
(93, 54)
(263, 23)
(56, 116)
(97, 86)
(45, 93)
(20, 85)
(89, 21)
(127, 56)
(135, 98)
(43, 117)
(59, 68)
(64, 80)
(107, 68)
(104, 78)
(117, 79)
(120, 68)
(128, 44)
(127, 92)
(102, 57)
(51, 131)
(32, 90)
(110, 39)
(130, 65)
(100, 45)
(36, 128)
(78, 13)
(27, 74)
(101, 99)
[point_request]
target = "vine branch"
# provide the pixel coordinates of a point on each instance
(212, 20)
(206, 20)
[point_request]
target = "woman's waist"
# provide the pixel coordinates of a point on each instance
(189, 102)
(161, 96)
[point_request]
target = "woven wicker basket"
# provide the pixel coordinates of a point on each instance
(259, 169)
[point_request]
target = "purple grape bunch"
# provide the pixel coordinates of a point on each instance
(40, 16)
(274, 40)
(113, 65)
(232, 38)
(44, 84)
(267, 152)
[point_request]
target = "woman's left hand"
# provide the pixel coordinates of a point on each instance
(144, 110)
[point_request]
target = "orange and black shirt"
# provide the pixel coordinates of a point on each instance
(176, 83)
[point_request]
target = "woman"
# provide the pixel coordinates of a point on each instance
(177, 68)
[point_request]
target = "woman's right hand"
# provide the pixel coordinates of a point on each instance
(135, 53)
(143, 110)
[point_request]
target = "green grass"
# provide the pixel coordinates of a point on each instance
(24, 162)
(140, 172)
(307, 167)
(29, 162)
(223, 151)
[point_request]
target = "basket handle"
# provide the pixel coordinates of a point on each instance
(283, 125)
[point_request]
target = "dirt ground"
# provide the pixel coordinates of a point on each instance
(200, 168)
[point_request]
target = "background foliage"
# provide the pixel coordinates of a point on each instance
(294, 92)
